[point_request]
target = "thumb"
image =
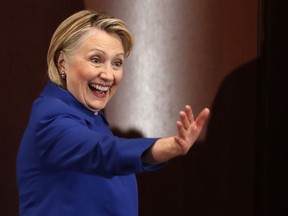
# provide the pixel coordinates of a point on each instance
(202, 117)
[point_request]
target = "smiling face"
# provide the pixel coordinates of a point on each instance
(94, 69)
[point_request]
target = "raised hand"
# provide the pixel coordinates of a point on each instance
(189, 129)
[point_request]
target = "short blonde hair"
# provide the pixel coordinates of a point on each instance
(70, 31)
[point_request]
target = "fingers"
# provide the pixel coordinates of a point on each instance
(189, 113)
(181, 129)
(186, 117)
(184, 120)
(181, 138)
(187, 120)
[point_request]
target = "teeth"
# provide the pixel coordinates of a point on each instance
(99, 87)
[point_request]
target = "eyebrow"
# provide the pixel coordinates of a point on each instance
(99, 50)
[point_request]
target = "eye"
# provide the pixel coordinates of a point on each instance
(96, 59)
(118, 63)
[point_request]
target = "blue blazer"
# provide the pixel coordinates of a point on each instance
(69, 162)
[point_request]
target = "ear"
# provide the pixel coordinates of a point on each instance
(61, 62)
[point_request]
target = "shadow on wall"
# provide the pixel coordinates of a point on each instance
(218, 176)
(132, 133)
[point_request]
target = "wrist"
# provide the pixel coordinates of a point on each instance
(163, 150)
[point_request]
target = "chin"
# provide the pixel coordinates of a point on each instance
(97, 108)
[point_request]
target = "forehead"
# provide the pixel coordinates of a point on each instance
(96, 38)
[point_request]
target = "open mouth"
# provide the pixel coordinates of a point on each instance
(99, 90)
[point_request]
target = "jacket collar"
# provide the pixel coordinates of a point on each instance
(52, 90)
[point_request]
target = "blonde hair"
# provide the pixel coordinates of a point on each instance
(68, 34)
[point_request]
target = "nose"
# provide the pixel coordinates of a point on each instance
(107, 73)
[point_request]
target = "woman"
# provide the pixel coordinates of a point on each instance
(69, 162)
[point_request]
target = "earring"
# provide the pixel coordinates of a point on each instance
(63, 75)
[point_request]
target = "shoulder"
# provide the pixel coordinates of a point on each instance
(50, 108)
(50, 105)
(55, 103)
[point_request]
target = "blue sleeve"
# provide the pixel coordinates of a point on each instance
(66, 143)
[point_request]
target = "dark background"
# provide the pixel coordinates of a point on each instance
(240, 167)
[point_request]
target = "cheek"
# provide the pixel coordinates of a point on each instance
(80, 73)
(118, 77)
